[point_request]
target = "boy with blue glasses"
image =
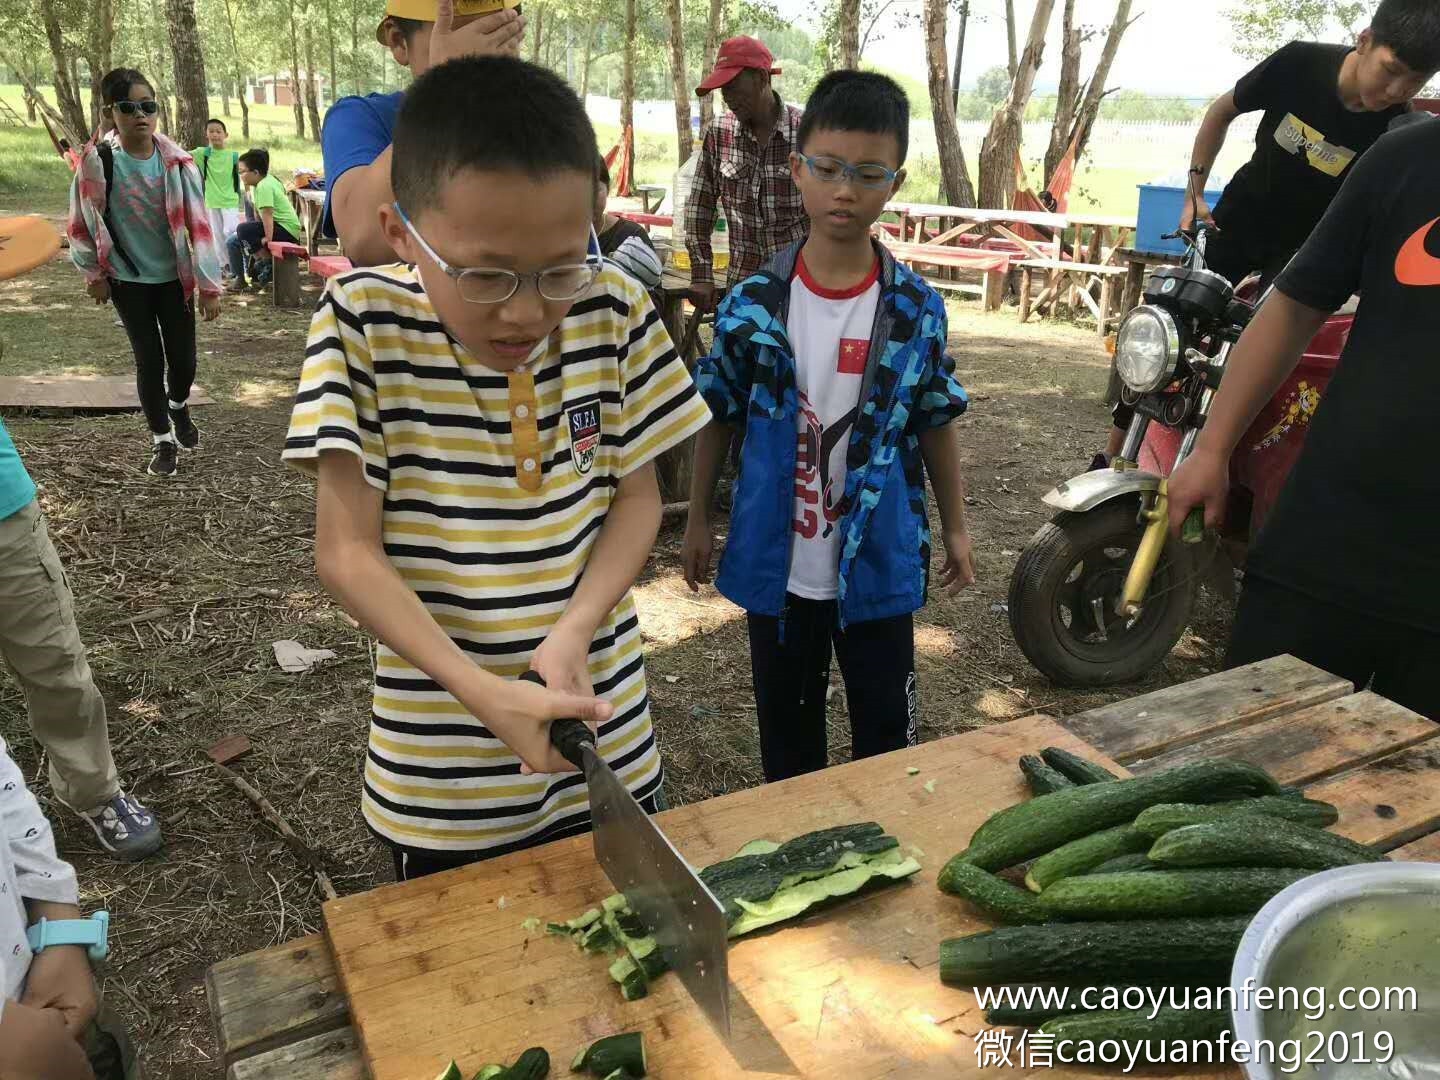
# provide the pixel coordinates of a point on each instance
(834, 359)
(484, 422)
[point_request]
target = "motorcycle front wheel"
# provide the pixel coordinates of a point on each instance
(1063, 594)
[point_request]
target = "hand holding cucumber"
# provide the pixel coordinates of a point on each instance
(1202, 482)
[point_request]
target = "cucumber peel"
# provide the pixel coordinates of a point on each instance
(794, 900)
(450, 1072)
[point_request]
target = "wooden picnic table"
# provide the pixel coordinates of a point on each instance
(972, 224)
(309, 206)
(434, 968)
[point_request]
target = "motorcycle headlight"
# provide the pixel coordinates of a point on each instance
(1147, 349)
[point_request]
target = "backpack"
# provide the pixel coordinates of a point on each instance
(107, 162)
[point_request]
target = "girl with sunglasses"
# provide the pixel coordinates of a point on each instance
(140, 233)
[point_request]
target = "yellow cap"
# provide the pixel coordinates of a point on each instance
(424, 11)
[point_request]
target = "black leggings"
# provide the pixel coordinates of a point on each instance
(1395, 661)
(160, 323)
(877, 661)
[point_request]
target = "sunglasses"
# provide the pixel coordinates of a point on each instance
(130, 108)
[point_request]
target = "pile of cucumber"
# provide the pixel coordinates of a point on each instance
(615, 1057)
(763, 884)
(1141, 882)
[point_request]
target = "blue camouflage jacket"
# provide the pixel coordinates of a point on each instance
(909, 385)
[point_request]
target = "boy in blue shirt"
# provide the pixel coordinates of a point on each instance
(420, 34)
(833, 357)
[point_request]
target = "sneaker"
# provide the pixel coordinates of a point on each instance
(162, 460)
(186, 433)
(124, 828)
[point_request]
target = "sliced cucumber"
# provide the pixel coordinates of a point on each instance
(633, 983)
(796, 899)
(625, 1052)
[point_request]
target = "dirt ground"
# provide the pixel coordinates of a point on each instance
(182, 586)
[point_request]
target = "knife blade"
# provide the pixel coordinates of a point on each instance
(682, 914)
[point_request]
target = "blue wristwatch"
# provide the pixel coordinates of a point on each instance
(93, 933)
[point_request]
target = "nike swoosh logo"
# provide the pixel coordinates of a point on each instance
(1414, 265)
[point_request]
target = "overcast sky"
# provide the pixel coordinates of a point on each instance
(1151, 57)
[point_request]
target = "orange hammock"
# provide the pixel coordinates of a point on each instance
(624, 150)
(1058, 189)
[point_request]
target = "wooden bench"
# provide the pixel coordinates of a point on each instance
(647, 192)
(1078, 278)
(280, 1013)
(645, 218)
(992, 266)
(285, 280)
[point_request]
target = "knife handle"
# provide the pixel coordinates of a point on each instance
(568, 736)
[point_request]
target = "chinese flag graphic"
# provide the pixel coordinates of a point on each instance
(853, 353)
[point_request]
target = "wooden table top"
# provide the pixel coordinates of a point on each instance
(971, 213)
(283, 1012)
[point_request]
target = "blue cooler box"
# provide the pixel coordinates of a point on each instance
(1160, 207)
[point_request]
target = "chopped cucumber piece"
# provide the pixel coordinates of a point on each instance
(450, 1072)
(758, 847)
(616, 1053)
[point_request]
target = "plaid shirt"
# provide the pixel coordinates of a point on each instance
(762, 203)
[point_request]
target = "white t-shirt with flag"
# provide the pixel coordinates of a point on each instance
(830, 332)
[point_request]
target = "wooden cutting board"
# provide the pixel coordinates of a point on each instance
(442, 968)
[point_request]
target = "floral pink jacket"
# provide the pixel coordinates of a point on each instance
(91, 244)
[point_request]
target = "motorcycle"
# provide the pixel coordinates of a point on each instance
(1099, 596)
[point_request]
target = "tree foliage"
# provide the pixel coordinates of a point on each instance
(1262, 26)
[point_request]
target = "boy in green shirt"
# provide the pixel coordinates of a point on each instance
(278, 220)
(219, 178)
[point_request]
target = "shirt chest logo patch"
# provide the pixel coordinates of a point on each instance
(583, 422)
(1297, 137)
(852, 356)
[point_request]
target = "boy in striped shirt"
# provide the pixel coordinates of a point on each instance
(484, 423)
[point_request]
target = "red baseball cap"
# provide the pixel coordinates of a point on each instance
(733, 57)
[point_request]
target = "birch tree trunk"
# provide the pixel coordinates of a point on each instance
(240, 79)
(297, 106)
(712, 45)
(848, 44)
(679, 80)
(67, 94)
(997, 153)
(1067, 93)
(1095, 92)
(330, 33)
(589, 52)
(312, 104)
(101, 52)
(627, 76)
(956, 188)
(1010, 37)
(536, 35)
(191, 96)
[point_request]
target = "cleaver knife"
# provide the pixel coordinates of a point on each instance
(684, 917)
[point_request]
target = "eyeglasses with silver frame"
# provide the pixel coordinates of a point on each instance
(495, 285)
(830, 170)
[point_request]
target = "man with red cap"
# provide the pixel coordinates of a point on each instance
(744, 163)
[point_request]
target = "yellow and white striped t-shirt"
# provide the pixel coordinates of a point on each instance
(496, 486)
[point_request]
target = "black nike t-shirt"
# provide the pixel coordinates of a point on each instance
(1306, 145)
(1358, 521)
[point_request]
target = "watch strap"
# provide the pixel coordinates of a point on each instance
(93, 933)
